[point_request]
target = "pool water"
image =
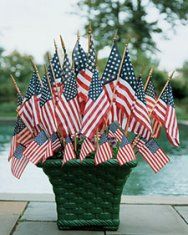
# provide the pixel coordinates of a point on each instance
(171, 180)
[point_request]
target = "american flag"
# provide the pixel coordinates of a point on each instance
(152, 154)
(109, 79)
(58, 73)
(79, 58)
(48, 117)
(110, 73)
(18, 162)
(125, 152)
(36, 150)
(151, 98)
(114, 131)
(30, 109)
(54, 145)
(104, 151)
(21, 135)
(140, 121)
(165, 113)
(67, 110)
(86, 148)
(126, 87)
(69, 153)
(171, 124)
(84, 77)
(96, 108)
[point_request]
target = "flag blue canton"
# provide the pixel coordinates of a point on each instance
(113, 127)
(34, 87)
(164, 96)
(70, 88)
(68, 140)
(95, 87)
(170, 96)
(112, 67)
(19, 151)
(150, 90)
(140, 94)
(152, 145)
(54, 137)
(19, 99)
(19, 126)
(91, 58)
(46, 92)
(124, 141)
(79, 58)
(103, 139)
(41, 138)
(56, 66)
(66, 68)
(127, 72)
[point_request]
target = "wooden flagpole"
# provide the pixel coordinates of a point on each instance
(166, 84)
(15, 85)
(148, 78)
(37, 72)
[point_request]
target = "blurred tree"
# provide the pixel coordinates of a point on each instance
(132, 19)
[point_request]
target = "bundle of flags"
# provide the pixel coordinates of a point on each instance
(73, 103)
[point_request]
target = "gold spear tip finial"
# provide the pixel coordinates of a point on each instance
(62, 42)
(89, 28)
(171, 75)
(78, 35)
(115, 38)
(55, 45)
(48, 56)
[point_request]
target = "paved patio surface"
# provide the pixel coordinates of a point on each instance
(137, 217)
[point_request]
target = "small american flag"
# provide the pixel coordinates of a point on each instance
(30, 109)
(79, 58)
(86, 148)
(48, 117)
(171, 124)
(165, 113)
(152, 154)
(36, 150)
(109, 79)
(58, 73)
(151, 98)
(54, 145)
(19, 162)
(21, 135)
(68, 111)
(126, 87)
(125, 152)
(114, 131)
(95, 109)
(104, 151)
(140, 121)
(84, 77)
(69, 153)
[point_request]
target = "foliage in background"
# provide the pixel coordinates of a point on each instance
(130, 18)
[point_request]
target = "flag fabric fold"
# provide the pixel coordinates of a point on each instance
(96, 108)
(69, 153)
(152, 154)
(86, 148)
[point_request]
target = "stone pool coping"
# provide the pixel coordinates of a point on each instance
(34, 214)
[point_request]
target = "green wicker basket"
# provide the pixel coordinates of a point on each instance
(87, 196)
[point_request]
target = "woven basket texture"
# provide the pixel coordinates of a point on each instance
(87, 196)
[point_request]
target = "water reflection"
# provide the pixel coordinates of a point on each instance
(173, 179)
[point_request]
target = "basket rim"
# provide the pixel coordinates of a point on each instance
(52, 162)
